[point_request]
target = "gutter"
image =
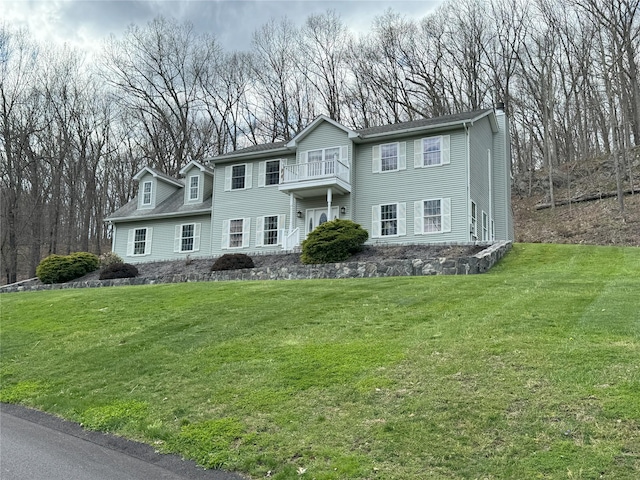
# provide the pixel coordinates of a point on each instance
(157, 216)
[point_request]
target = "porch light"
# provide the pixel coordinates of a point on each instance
(343, 210)
(299, 214)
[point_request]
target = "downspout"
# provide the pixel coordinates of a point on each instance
(490, 168)
(468, 167)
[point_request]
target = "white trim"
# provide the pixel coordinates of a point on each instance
(179, 236)
(445, 151)
(445, 215)
(131, 241)
(401, 220)
(144, 204)
(190, 188)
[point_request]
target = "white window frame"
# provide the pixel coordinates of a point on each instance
(401, 220)
(180, 236)
(131, 242)
(485, 226)
(474, 220)
(419, 152)
(228, 177)
(147, 194)
(401, 157)
(261, 232)
(262, 173)
(343, 157)
(226, 233)
(193, 188)
(445, 216)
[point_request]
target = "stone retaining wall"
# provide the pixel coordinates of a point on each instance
(478, 263)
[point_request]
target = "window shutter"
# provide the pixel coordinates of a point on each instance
(246, 225)
(225, 234)
(445, 148)
(304, 157)
(344, 154)
(418, 158)
(147, 243)
(402, 218)
(445, 205)
(262, 171)
(227, 178)
(196, 236)
(281, 223)
(376, 161)
(177, 239)
(259, 232)
(375, 221)
(247, 175)
(418, 217)
(130, 240)
(402, 156)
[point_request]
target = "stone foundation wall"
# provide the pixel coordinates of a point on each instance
(478, 263)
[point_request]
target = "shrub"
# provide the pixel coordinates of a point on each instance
(333, 241)
(63, 268)
(232, 261)
(109, 258)
(118, 270)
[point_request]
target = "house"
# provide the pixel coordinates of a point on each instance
(437, 180)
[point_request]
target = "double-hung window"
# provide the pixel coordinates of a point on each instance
(268, 230)
(194, 187)
(139, 242)
(474, 221)
(431, 151)
(237, 177)
(269, 172)
(432, 216)
(235, 233)
(389, 157)
(146, 193)
(485, 227)
(324, 161)
(187, 237)
(389, 220)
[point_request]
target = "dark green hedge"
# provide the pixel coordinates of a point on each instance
(333, 241)
(63, 268)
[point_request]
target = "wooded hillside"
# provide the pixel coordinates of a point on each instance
(75, 129)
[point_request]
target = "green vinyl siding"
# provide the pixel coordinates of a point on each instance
(480, 143)
(249, 203)
(163, 238)
(413, 185)
(502, 181)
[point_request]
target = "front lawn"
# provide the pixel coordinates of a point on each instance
(529, 371)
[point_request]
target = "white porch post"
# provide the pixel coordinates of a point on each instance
(291, 211)
(329, 198)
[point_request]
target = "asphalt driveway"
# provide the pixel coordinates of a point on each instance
(35, 445)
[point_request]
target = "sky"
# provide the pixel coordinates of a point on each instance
(84, 24)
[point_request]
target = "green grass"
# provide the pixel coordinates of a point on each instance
(529, 371)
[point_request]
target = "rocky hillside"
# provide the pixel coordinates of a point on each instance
(594, 222)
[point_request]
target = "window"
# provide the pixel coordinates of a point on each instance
(389, 220)
(432, 216)
(389, 157)
(194, 187)
(272, 174)
(269, 172)
(431, 151)
(268, 230)
(235, 233)
(146, 193)
(474, 220)
(139, 241)
(485, 227)
(323, 161)
(237, 177)
(187, 237)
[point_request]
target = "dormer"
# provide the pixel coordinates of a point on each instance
(154, 187)
(198, 181)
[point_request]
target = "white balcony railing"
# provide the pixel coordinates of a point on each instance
(302, 172)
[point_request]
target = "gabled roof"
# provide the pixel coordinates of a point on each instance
(309, 128)
(198, 165)
(159, 175)
(173, 206)
(426, 123)
(274, 148)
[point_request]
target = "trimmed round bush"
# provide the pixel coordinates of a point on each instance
(109, 258)
(63, 268)
(118, 270)
(333, 241)
(232, 261)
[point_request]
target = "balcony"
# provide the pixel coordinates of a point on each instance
(313, 178)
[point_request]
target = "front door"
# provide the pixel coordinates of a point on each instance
(317, 216)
